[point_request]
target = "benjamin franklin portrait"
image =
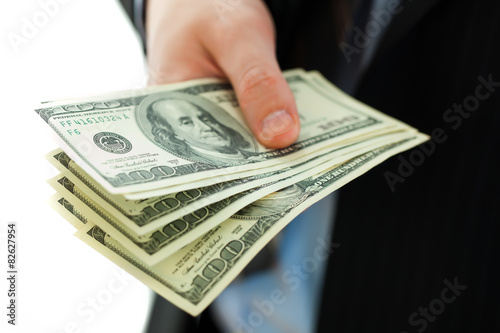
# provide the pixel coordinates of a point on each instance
(195, 129)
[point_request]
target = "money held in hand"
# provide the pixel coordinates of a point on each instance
(191, 135)
(168, 183)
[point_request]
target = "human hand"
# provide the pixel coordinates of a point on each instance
(189, 39)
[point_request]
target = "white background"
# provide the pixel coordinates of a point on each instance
(68, 49)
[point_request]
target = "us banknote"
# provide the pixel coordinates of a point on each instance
(189, 135)
(193, 276)
(144, 216)
(167, 238)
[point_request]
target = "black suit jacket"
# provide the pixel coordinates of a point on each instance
(420, 233)
(439, 224)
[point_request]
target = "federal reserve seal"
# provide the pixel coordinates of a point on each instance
(112, 143)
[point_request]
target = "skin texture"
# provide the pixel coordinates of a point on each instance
(190, 39)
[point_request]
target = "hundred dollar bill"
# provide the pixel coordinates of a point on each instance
(155, 139)
(195, 275)
(266, 171)
(143, 216)
(169, 237)
(147, 215)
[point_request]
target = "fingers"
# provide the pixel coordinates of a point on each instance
(247, 57)
(175, 49)
(266, 101)
(177, 68)
(239, 46)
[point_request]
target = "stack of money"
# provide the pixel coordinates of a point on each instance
(168, 182)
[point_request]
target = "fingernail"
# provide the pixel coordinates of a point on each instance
(278, 122)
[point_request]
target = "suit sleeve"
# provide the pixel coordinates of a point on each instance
(135, 11)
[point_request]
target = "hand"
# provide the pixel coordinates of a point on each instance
(189, 39)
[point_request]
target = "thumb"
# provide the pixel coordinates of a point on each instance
(267, 103)
(248, 59)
